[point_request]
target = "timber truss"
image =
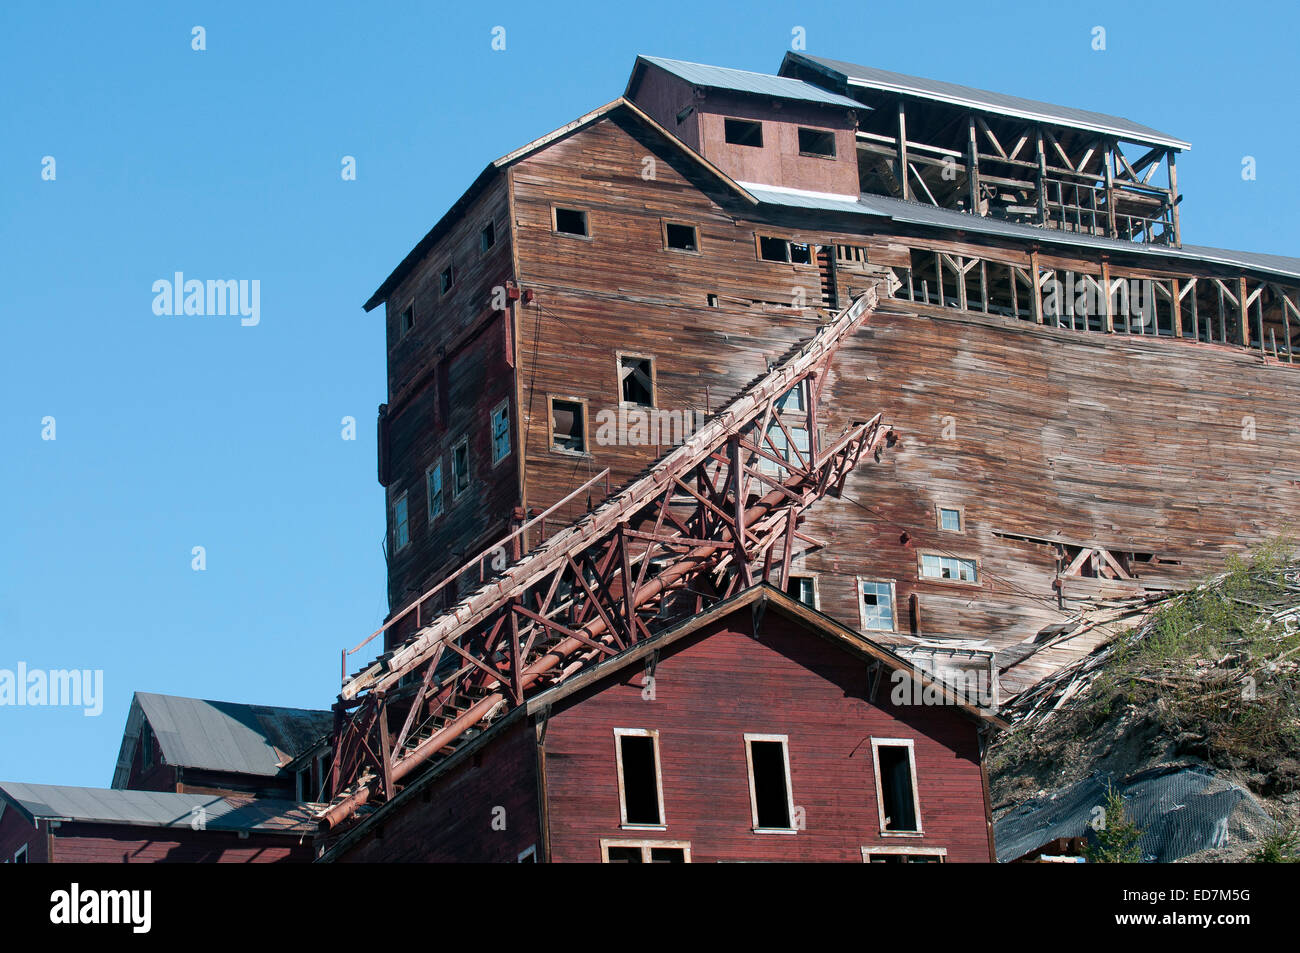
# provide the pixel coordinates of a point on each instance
(716, 515)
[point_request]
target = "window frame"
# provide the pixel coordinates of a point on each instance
(653, 735)
(457, 491)
(527, 855)
(618, 377)
(586, 424)
(789, 243)
(483, 249)
(976, 583)
(586, 222)
(403, 329)
(399, 500)
(429, 514)
(303, 790)
(910, 745)
(753, 792)
(24, 853)
(939, 509)
(940, 852)
(833, 154)
(893, 603)
(695, 230)
(448, 273)
(755, 123)
(646, 846)
(812, 576)
(492, 431)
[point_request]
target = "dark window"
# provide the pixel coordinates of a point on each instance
(568, 430)
(305, 792)
(801, 253)
(892, 858)
(460, 467)
(636, 376)
(681, 237)
(803, 589)
(771, 786)
(667, 855)
(773, 249)
(570, 221)
(406, 321)
(712, 300)
(624, 855)
(487, 237)
(897, 799)
(146, 746)
(817, 142)
(640, 779)
(742, 132)
(447, 279)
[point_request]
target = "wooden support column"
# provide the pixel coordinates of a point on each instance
(1036, 302)
(902, 151)
(1173, 195)
(1110, 191)
(1042, 184)
(973, 167)
(1108, 318)
(1244, 310)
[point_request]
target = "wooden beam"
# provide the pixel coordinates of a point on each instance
(902, 150)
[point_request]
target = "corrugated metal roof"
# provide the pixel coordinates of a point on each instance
(856, 75)
(916, 213)
(159, 808)
(743, 81)
(230, 736)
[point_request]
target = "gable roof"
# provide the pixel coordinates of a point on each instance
(221, 736)
(741, 81)
(845, 75)
(158, 808)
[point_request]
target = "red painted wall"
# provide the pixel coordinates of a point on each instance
(123, 844)
(712, 689)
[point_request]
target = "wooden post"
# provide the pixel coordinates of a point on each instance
(1108, 319)
(1037, 301)
(1173, 195)
(1110, 192)
(1178, 309)
(1042, 185)
(1244, 310)
(902, 151)
(973, 167)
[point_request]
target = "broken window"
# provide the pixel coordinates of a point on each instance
(950, 519)
(501, 432)
(568, 425)
(817, 142)
(406, 320)
(877, 605)
(743, 132)
(487, 237)
(571, 221)
(636, 380)
(769, 782)
(771, 248)
(446, 279)
(645, 852)
(803, 588)
(433, 483)
(934, 566)
(460, 467)
(638, 777)
(681, 237)
(879, 855)
(896, 786)
(401, 525)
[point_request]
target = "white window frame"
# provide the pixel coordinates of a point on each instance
(456, 490)
(653, 735)
(400, 501)
(646, 846)
(428, 493)
(893, 604)
(940, 508)
(753, 793)
(940, 852)
(24, 853)
(816, 589)
(619, 358)
(910, 745)
(529, 851)
(586, 222)
(550, 423)
(922, 575)
(500, 409)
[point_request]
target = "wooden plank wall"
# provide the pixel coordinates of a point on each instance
(127, 844)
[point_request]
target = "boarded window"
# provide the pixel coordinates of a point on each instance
(898, 808)
(803, 588)
(433, 481)
(487, 237)
(950, 519)
(636, 379)
(817, 142)
(401, 524)
(568, 427)
(638, 777)
(769, 783)
(681, 237)
(571, 221)
(878, 606)
(743, 132)
(460, 467)
(447, 279)
(934, 566)
(500, 433)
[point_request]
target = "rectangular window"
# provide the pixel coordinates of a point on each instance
(877, 605)
(771, 248)
(904, 855)
(743, 132)
(487, 237)
(20, 855)
(571, 221)
(817, 142)
(779, 445)
(801, 253)
(640, 796)
(406, 320)
(950, 519)
(446, 279)
(568, 425)
(955, 568)
(433, 485)
(528, 856)
(803, 588)
(305, 791)
(401, 525)
(636, 376)
(146, 746)
(681, 237)
(619, 851)
(460, 467)
(771, 803)
(896, 797)
(501, 433)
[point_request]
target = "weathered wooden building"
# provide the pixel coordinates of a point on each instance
(1084, 409)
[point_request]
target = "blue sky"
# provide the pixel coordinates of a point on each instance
(176, 432)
